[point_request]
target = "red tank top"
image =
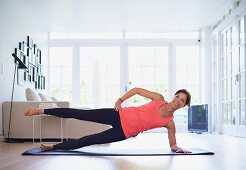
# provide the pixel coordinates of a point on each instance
(135, 120)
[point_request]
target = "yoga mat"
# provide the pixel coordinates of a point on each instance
(91, 151)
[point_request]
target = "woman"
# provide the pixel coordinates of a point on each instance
(126, 122)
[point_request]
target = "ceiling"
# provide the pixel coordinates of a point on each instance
(127, 15)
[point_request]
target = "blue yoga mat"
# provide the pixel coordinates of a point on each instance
(95, 151)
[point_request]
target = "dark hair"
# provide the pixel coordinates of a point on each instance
(188, 96)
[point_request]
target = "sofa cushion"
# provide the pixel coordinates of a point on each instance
(31, 95)
(44, 98)
(54, 99)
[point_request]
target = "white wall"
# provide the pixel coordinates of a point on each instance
(17, 22)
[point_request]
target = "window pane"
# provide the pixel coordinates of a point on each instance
(234, 90)
(224, 86)
(61, 72)
(181, 77)
(229, 90)
(160, 71)
(242, 30)
(229, 113)
(242, 112)
(224, 44)
(148, 68)
(224, 64)
(234, 36)
(225, 112)
(242, 84)
(55, 76)
(228, 37)
(242, 57)
(187, 76)
(229, 64)
(235, 62)
(233, 113)
(100, 76)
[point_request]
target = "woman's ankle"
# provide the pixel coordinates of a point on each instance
(41, 111)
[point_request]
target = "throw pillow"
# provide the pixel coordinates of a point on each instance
(43, 97)
(31, 95)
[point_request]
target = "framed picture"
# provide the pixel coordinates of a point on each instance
(36, 60)
(34, 74)
(29, 42)
(43, 82)
(36, 84)
(29, 53)
(24, 44)
(20, 77)
(26, 75)
(39, 56)
(17, 52)
(39, 69)
(26, 61)
(30, 70)
(21, 46)
(39, 82)
(35, 49)
(32, 57)
(20, 55)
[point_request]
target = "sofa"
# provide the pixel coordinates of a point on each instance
(46, 127)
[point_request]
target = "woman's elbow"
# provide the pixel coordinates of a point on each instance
(136, 90)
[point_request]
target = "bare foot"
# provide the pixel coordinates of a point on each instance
(46, 147)
(33, 111)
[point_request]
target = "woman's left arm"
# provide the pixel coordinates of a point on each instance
(172, 138)
(140, 91)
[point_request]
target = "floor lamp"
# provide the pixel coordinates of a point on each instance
(20, 65)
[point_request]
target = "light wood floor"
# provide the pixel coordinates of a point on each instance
(229, 154)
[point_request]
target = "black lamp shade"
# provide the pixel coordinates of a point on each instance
(21, 65)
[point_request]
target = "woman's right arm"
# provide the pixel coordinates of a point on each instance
(142, 92)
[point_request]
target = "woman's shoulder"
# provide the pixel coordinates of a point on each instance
(158, 97)
(162, 102)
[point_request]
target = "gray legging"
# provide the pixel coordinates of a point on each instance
(104, 116)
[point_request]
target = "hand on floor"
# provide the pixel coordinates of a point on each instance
(181, 150)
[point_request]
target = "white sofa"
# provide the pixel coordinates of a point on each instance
(22, 126)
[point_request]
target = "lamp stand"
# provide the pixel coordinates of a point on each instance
(8, 140)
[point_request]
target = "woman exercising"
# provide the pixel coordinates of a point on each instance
(126, 122)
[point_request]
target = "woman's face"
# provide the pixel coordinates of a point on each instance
(179, 101)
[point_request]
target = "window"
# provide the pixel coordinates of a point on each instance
(61, 73)
(148, 68)
(233, 80)
(112, 62)
(99, 76)
(187, 76)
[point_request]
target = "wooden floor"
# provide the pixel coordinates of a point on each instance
(229, 154)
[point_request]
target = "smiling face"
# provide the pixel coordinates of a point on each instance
(179, 101)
